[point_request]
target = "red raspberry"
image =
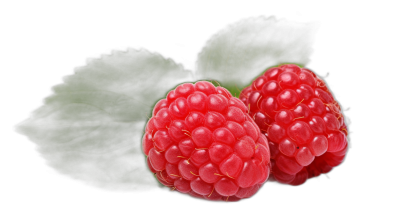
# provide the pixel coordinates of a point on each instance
(202, 141)
(302, 121)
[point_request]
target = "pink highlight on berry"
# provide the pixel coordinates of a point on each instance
(251, 130)
(157, 159)
(307, 78)
(223, 135)
(263, 140)
(173, 155)
(304, 156)
(259, 174)
(244, 95)
(224, 92)
(324, 96)
(301, 111)
(300, 132)
(231, 166)
(213, 120)
(247, 177)
(287, 147)
(271, 88)
(175, 130)
(150, 125)
(236, 129)
(259, 82)
(238, 104)
(269, 105)
(172, 96)
(147, 143)
(194, 120)
(187, 170)
(305, 92)
(219, 152)
(162, 119)
(226, 187)
(276, 132)
(201, 187)
(159, 105)
(319, 145)
(336, 141)
(272, 73)
(210, 173)
(217, 102)
(291, 68)
(316, 106)
(262, 154)
(162, 140)
(172, 171)
(254, 99)
(199, 157)
(262, 121)
(179, 108)
(205, 87)
(265, 171)
(202, 137)
(288, 98)
(186, 146)
(182, 185)
(197, 101)
(235, 114)
(331, 122)
(185, 89)
(284, 117)
(317, 124)
(245, 148)
(288, 79)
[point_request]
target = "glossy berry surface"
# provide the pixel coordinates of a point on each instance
(302, 121)
(200, 140)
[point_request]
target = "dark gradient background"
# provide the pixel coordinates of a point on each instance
(49, 44)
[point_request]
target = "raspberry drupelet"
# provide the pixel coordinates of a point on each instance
(303, 123)
(200, 140)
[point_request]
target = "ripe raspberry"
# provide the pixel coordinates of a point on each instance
(302, 121)
(202, 141)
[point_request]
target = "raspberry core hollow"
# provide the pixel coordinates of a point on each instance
(200, 140)
(302, 121)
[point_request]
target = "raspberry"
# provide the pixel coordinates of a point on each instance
(202, 141)
(301, 119)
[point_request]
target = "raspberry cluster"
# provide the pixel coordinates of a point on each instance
(200, 140)
(302, 121)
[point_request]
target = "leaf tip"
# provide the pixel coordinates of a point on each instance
(16, 128)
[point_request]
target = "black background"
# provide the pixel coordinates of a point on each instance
(48, 44)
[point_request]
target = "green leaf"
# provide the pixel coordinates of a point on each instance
(91, 127)
(239, 53)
